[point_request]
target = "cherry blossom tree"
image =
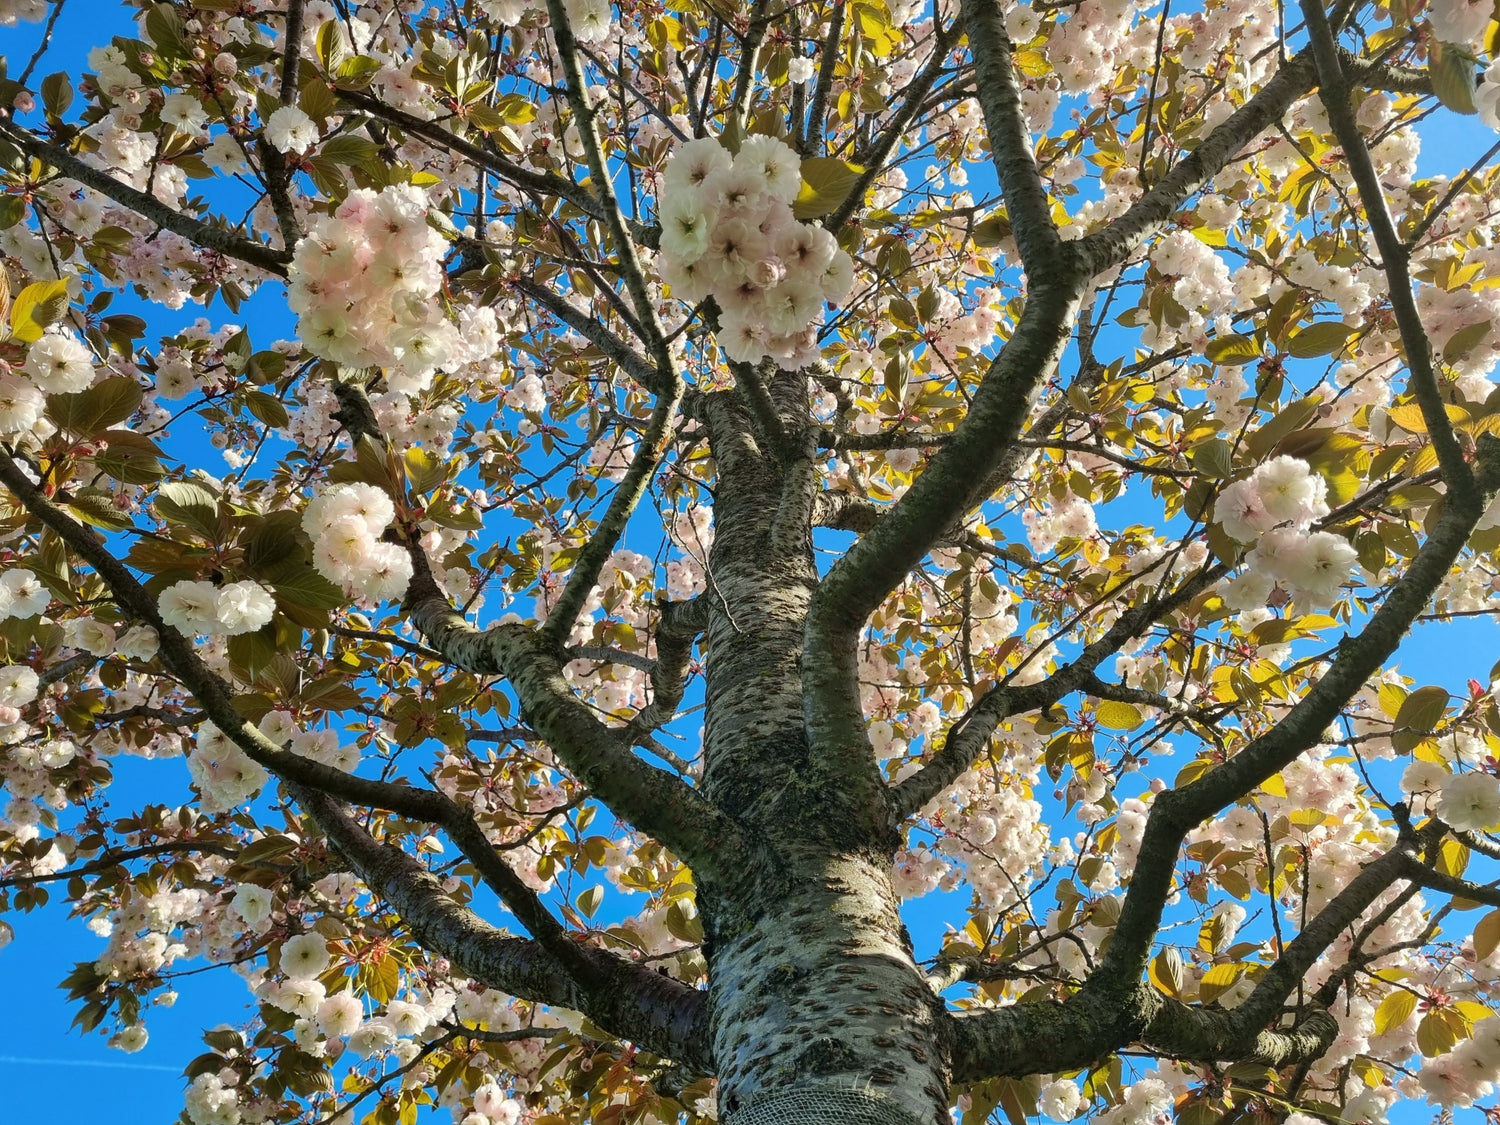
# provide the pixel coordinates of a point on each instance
(652, 487)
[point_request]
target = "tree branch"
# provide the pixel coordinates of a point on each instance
(626, 999)
(631, 362)
(1177, 811)
(1334, 91)
(1010, 141)
(678, 628)
(649, 798)
(116, 857)
(196, 231)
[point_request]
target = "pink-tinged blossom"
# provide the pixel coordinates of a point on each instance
(345, 524)
(728, 232)
(340, 1015)
(1487, 97)
(1470, 801)
(305, 956)
(22, 594)
(21, 403)
(243, 607)
(225, 775)
(1459, 21)
(253, 905)
(18, 685)
(1290, 491)
(290, 130)
(190, 607)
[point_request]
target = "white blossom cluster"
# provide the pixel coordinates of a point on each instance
(1470, 801)
(365, 282)
(728, 232)
(345, 524)
(1468, 1072)
(58, 363)
(196, 608)
(1273, 508)
(225, 775)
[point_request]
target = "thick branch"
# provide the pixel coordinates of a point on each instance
(1010, 140)
(196, 231)
(679, 627)
(1334, 90)
(626, 999)
(649, 798)
(1147, 215)
(1177, 811)
(946, 490)
(1047, 1037)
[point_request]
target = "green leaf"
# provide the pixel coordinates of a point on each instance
(826, 183)
(57, 94)
(1422, 709)
(589, 900)
(330, 45)
(253, 652)
(1324, 337)
(1214, 458)
(12, 211)
(268, 408)
(1232, 351)
(1454, 80)
(129, 457)
(1293, 416)
(348, 149)
(1465, 340)
(304, 586)
(424, 470)
(273, 542)
(164, 28)
(189, 505)
(89, 412)
(97, 507)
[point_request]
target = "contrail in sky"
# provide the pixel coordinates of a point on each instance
(108, 1064)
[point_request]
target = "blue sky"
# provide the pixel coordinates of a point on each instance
(44, 1065)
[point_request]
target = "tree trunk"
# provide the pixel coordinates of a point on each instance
(821, 1014)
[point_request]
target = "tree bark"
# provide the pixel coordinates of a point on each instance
(820, 1012)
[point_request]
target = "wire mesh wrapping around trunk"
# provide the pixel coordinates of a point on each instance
(815, 1106)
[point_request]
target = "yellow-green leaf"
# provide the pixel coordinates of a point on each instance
(1453, 77)
(1116, 715)
(826, 183)
(1166, 971)
(1487, 935)
(41, 303)
(1232, 351)
(1218, 980)
(1394, 1010)
(1321, 338)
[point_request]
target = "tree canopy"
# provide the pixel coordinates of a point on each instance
(604, 502)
